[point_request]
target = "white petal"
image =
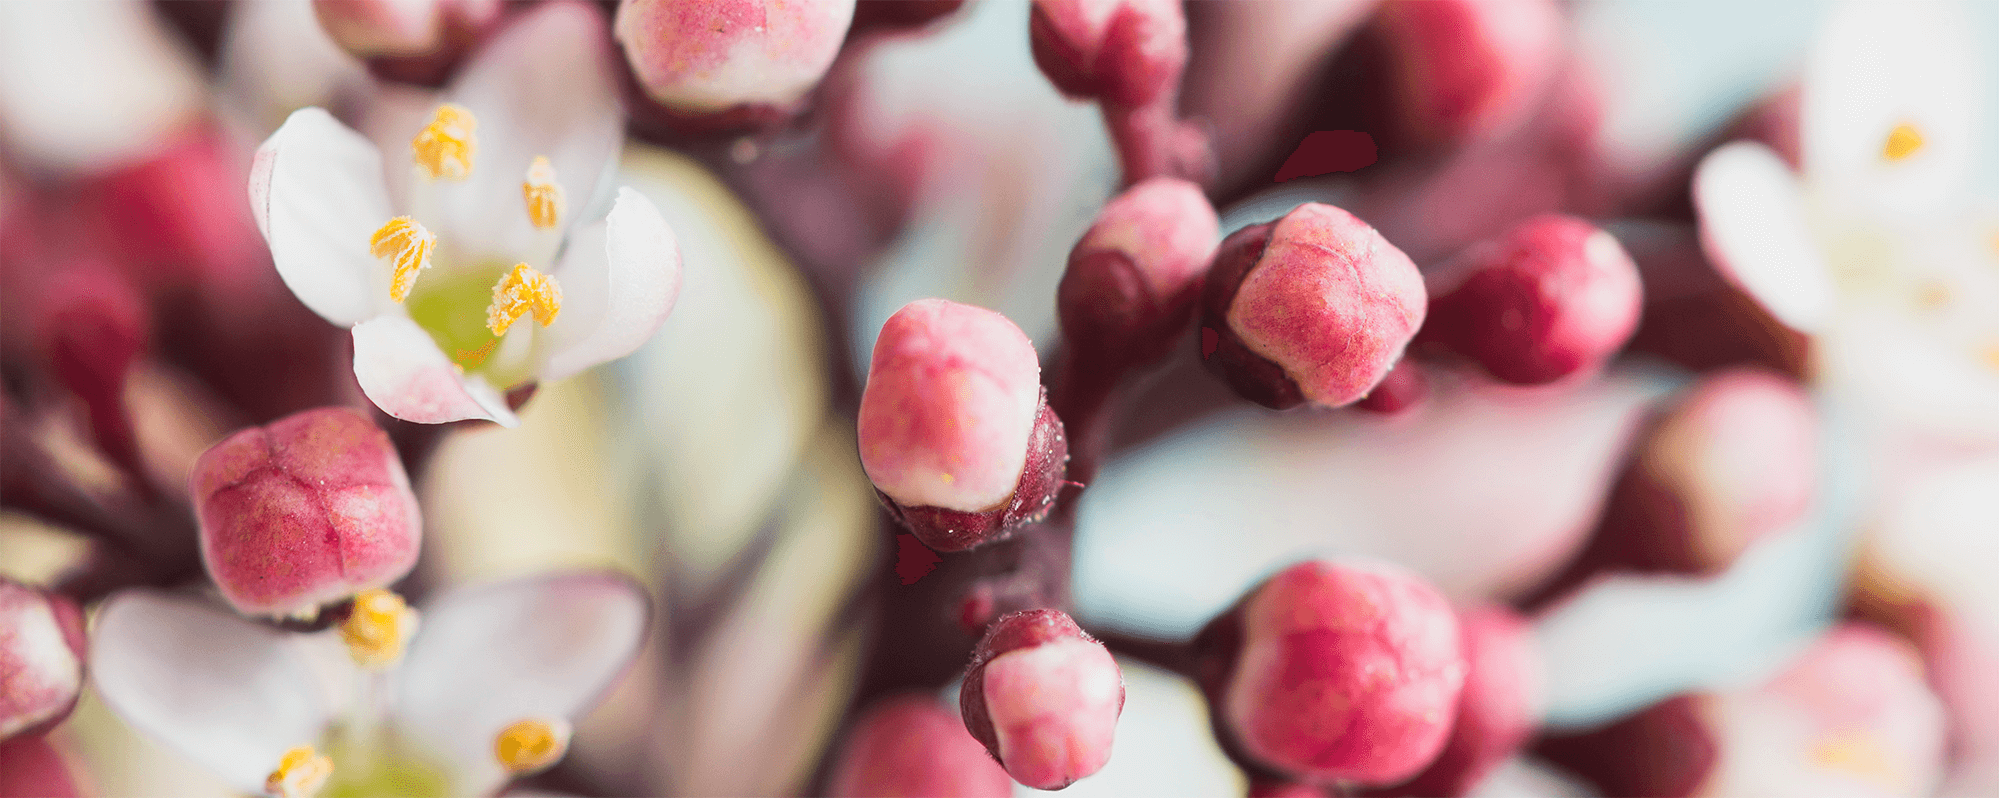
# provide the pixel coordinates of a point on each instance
(92, 85)
(1878, 65)
(1753, 226)
(547, 85)
(619, 282)
(225, 692)
(316, 192)
(541, 647)
(403, 372)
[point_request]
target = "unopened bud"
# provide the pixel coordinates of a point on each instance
(910, 745)
(31, 765)
(1498, 710)
(709, 57)
(1044, 697)
(41, 658)
(1403, 388)
(1314, 307)
(1331, 672)
(306, 511)
(1125, 52)
(381, 27)
(1553, 297)
(1468, 68)
(1133, 279)
(955, 430)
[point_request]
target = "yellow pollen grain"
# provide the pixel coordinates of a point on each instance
(445, 147)
(1904, 141)
(301, 773)
(948, 479)
(529, 745)
(408, 247)
(521, 292)
(378, 628)
(543, 193)
(1859, 754)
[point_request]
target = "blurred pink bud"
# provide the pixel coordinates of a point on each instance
(1124, 52)
(1469, 68)
(1044, 697)
(304, 512)
(1498, 710)
(31, 767)
(1133, 279)
(1850, 716)
(1553, 297)
(178, 216)
(955, 430)
(1404, 387)
(1270, 788)
(93, 326)
(1331, 671)
(911, 746)
(901, 13)
(367, 28)
(701, 58)
(1314, 307)
(41, 659)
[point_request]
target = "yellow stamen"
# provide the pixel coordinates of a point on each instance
(408, 246)
(301, 773)
(445, 147)
(521, 292)
(1857, 753)
(1904, 141)
(544, 195)
(530, 745)
(378, 628)
(1990, 355)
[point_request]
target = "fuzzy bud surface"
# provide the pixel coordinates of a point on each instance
(41, 658)
(1044, 698)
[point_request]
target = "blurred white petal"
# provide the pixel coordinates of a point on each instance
(1753, 226)
(90, 86)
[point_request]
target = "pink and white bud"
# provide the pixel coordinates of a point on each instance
(1314, 307)
(1553, 297)
(1330, 672)
(706, 58)
(1469, 68)
(1044, 698)
(1124, 52)
(1133, 279)
(1498, 710)
(955, 429)
(910, 746)
(304, 512)
(41, 659)
(368, 28)
(1850, 716)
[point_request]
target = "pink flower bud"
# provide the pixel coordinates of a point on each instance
(1469, 68)
(41, 659)
(1497, 711)
(1132, 280)
(1553, 297)
(1334, 672)
(1668, 749)
(700, 58)
(955, 430)
(367, 28)
(93, 327)
(1314, 307)
(910, 745)
(31, 765)
(1044, 697)
(1124, 52)
(1404, 387)
(304, 512)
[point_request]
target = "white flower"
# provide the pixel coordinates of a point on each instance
(433, 262)
(239, 697)
(1878, 247)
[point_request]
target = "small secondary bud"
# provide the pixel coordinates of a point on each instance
(955, 430)
(1314, 307)
(41, 658)
(1553, 297)
(1404, 387)
(1330, 671)
(707, 57)
(1133, 279)
(1497, 711)
(382, 27)
(1468, 68)
(1044, 697)
(910, 745)
(306, 511)
(1125, 52)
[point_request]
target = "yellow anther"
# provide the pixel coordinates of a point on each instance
(544, 195)
(301, 773)
(1904, 141)
(378, 628)
(529, 745)
(1857, 753)
(408, 247)
(521, 292)
(1990, 355)
(445, 147)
